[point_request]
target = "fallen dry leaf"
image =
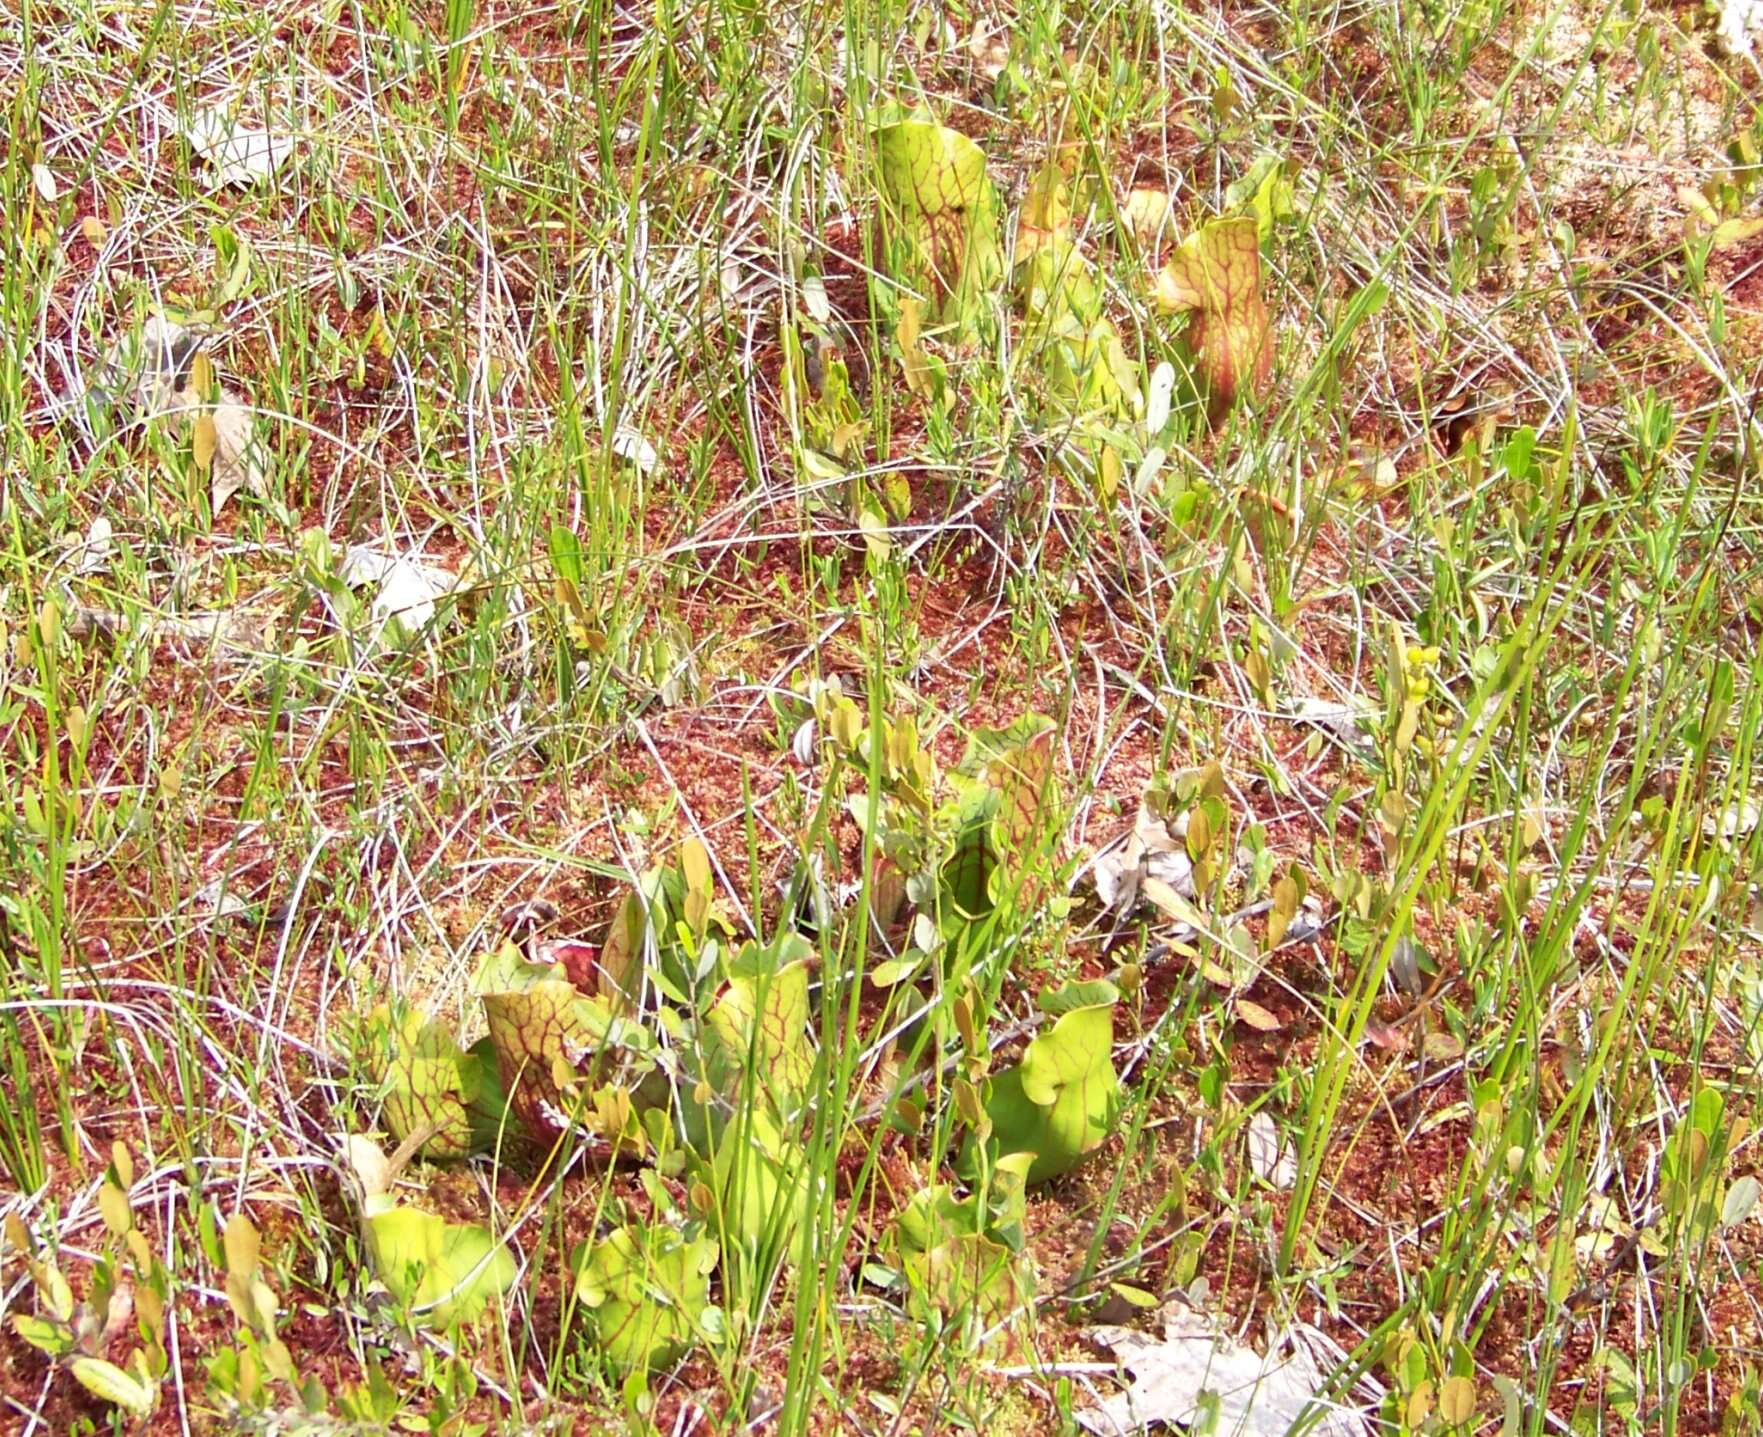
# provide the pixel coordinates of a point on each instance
(238, 156)
(628, 443)
(1387, 1036)
(239, 462)
(408, 588)
(1151, 851)
(1257, 1396)
(1272, 1159)
(1147, 214)
(1261, 1019)
(145, 372)
(1340, 721)
(91, 554)
(990, 51)
(1735, 820)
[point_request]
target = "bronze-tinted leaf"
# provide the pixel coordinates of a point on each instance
(1287, 894)
(940, 220)
(1046, 211)
(759, 1026)
(1215, 277)
(430, 1085)
(887, 891)
(554, 1045)
(202, 442)
(1023, 777)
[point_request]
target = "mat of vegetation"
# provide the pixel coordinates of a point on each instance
(782, 718)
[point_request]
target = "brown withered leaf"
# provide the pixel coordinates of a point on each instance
(1194, 1367)
(1388, 1036)
(991, 52)
(1469, 410)
(1214, 276)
